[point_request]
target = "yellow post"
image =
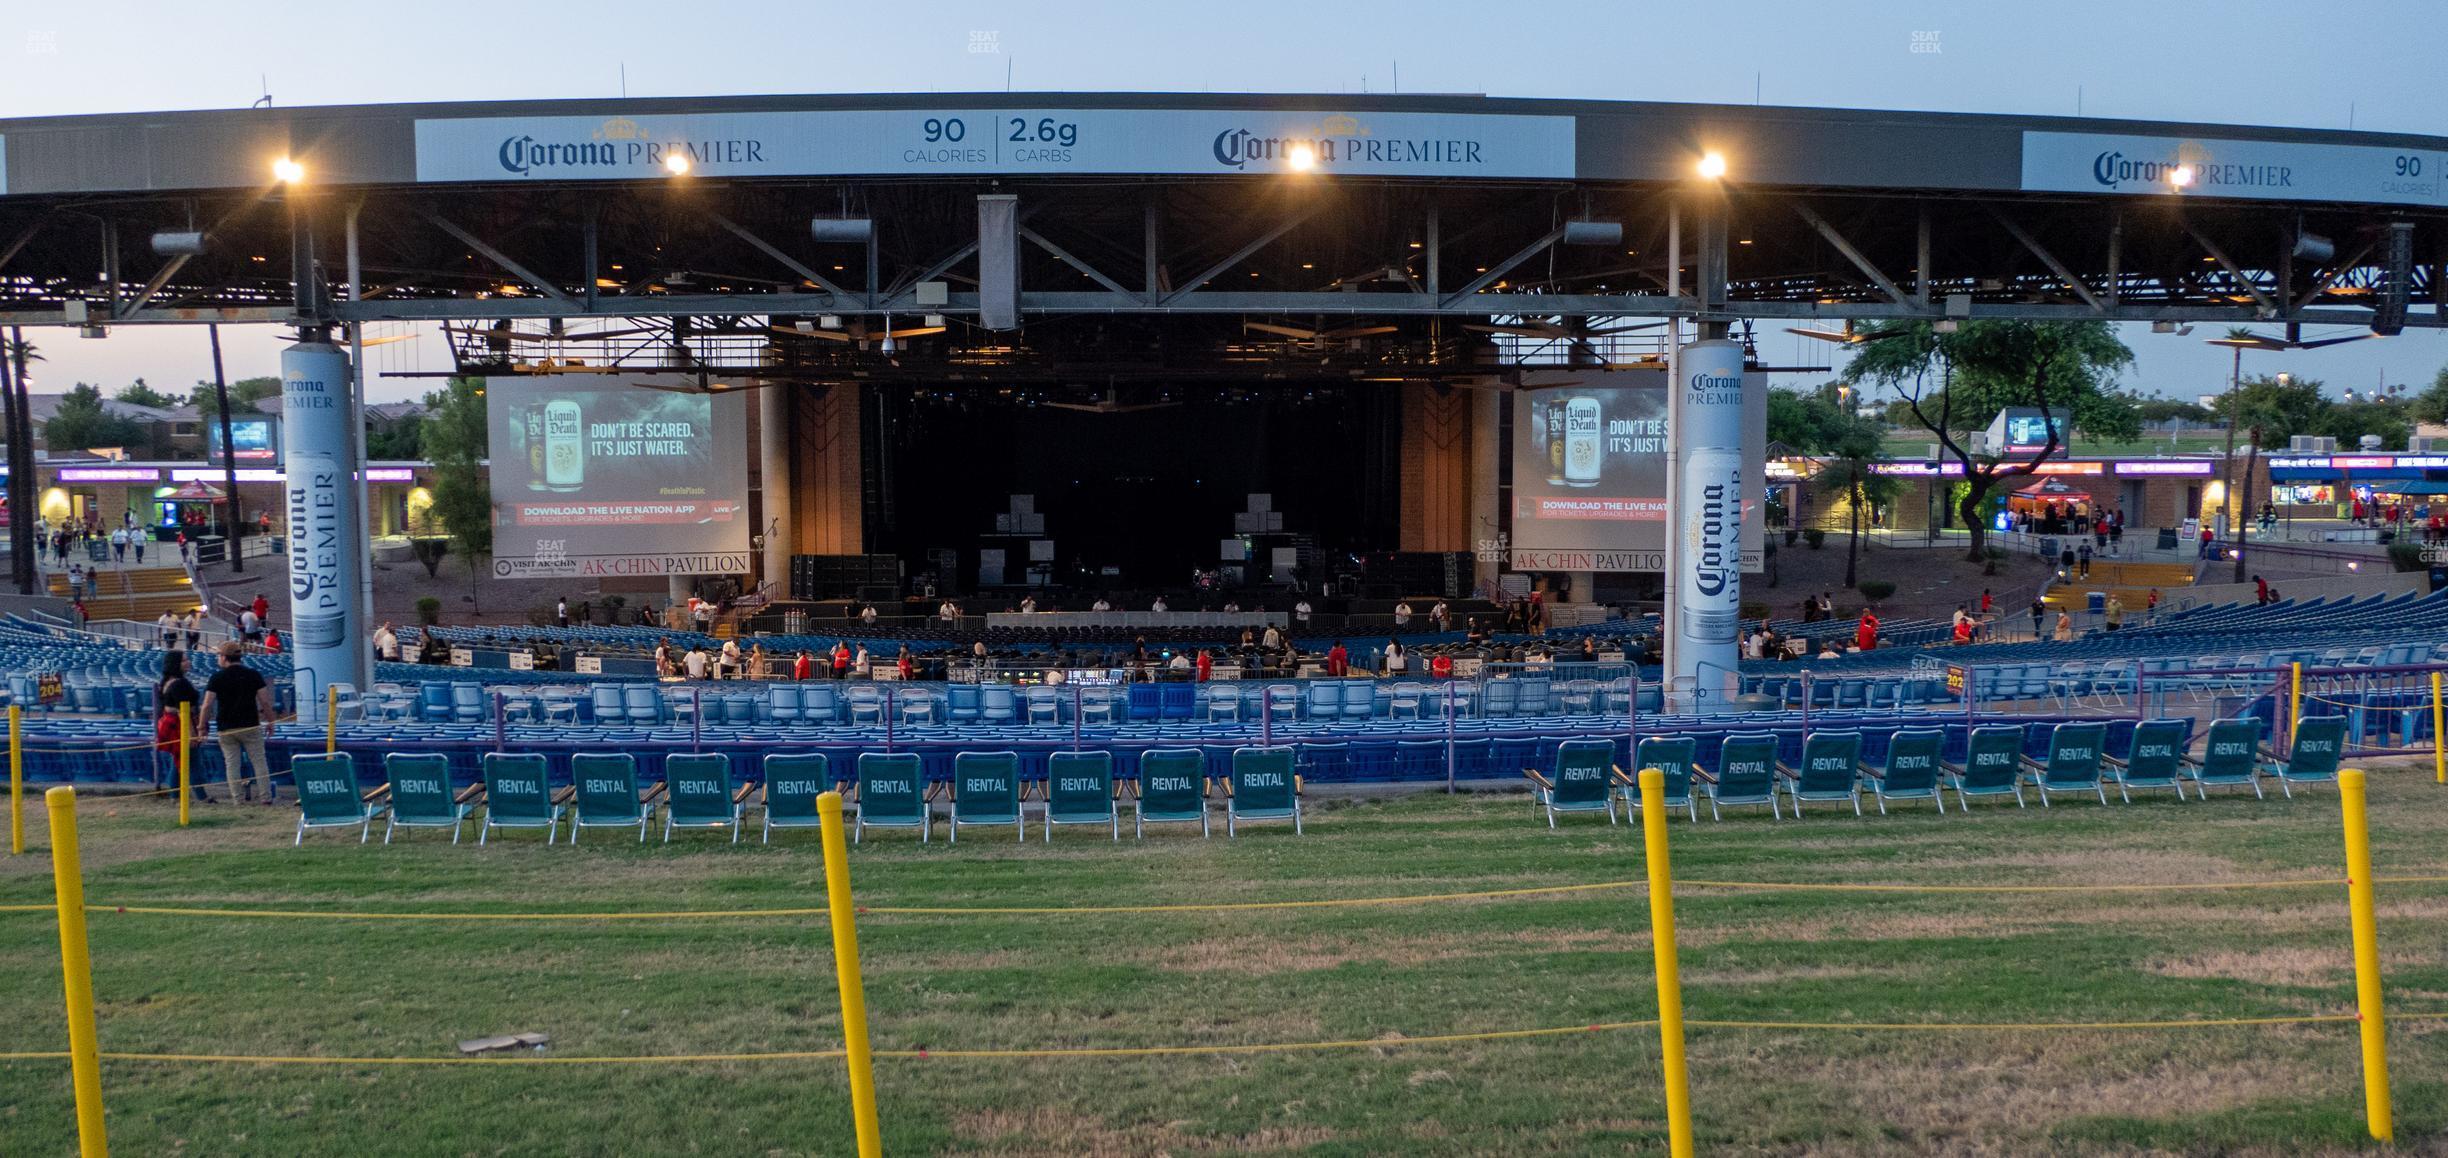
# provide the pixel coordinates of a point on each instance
(2439, 732)
(2366, 954)
(846, 964)
(185, 755)
(15, 784)
(331, 718)
(1669, 976)
(2295, 703)
(76, 972)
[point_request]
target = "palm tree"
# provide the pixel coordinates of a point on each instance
(16, 352)
(1855, 447)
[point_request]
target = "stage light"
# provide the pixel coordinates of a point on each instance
(1302, 158)
(676, 163)
(288, 172)
(1712, 165)
(2181, 176)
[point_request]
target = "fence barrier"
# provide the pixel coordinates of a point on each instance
(842, 914)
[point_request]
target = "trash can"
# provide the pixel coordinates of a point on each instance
(2095, 602)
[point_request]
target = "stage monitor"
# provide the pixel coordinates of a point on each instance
(617, 474)
(255, 437)
(1590, 464)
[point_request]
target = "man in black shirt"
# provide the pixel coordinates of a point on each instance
(240, 703)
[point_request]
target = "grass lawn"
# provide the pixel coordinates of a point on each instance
(367, 988)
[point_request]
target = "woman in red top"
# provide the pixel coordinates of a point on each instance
(1206, 666)
(1338, 661)
(841, 660)
(902, 662)
(803, 668)
(1441, 667)
(1866, 636)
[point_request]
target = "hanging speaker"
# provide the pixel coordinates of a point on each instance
(2397, 280)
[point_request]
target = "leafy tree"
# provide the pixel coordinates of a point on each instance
(2159, 411)
(1803, 422)
(1853, 449)
(80, 423)
(243, 393)
(2269, 411)
(138, 394)
(454, 441)
(1955, 382)
(2349, 421)
(2432, 405)
(400, 442)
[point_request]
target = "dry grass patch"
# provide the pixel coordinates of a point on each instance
(1045, 1130)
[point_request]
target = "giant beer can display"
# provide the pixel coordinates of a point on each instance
(327, 549)
(1708, 430)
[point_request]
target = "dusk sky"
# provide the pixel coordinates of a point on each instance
(2238, 61)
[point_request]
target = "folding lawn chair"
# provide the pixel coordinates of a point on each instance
(986, 790)
(1830, 771)
(1745, 774)
(702, 794)
(2228, 758)
(1672, 755)
(1585, 780)
(516, 795)
(2320, 743)
(2074, 756)
(1910, 771)
(607, 794)
(420, 794)
(2155, 760)
(1172, 789)
(892, 793)
(793, 781)
(1080, 790)
(1263, 786)
(328, 796)
(1993, 766)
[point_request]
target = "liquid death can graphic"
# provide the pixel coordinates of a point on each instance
(1552, 413)
(564, 446)
(1584, 447)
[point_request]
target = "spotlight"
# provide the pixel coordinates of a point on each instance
(288, 172)
(1712, 165)
(2181, 176)
(1302, 158)
(676, 163)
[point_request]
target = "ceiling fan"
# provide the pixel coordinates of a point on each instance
(1318, 338)
(2292, 340)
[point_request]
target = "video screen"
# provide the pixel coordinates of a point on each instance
(1589, 470)
(604, 474)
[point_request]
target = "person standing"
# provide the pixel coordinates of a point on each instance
(803, 668)
(1865, 634)
(758, 662)
(192, 625)
(561, 612)
(250, 625)
(841, 660)
(694, 662)
(240, 704)
(167, 628)
(906, 667)
(262, 608)
(1300, 614)
(2038, 609)
(173, 691)
(1206, 666)
(1402, 615)
(386, 643)
(729, 668)
(118, 542)
(136, 539)
(2065, 627)
(1338, 661)
(2082, 560)
(663, 658)
(1397, 663)
(1442, 615)
(2114, 613)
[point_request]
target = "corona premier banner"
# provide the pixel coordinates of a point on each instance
(1708, 411)
(327, 549)
(617, 474)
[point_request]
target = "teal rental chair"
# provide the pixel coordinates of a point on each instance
(1263, 786)
(986, 790)
(793, 781)
(606, 794)
(2320, 743)
(1910, 771)
(328, 796)
(2228, 759)
(1172, 789)
(700, 793)
(421, 796)
(517, 795)
(1745, 774)
(2155, 760)
(1672, 755)
(1993, 766)
(2074, 758)
(1080, 790)
(892, 793)
(1830, 771)
(1585, 780)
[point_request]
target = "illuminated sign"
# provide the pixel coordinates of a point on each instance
(1916, 469)
(2199, 468)
(109, 474)
(2362, 461)
(2070, 468)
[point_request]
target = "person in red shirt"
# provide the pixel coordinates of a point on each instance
(841, 660)
(1441, 667)
(1987, 603)
(272, 642)
(263, 607)
(903, 664)
(1866, 635)
(1963, 633)
(803, 668)
(1338, 661)
(1206, 666)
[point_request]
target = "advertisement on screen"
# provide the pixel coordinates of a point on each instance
(617, 474)
(2023, 430)
(1590, 457)
(253, 441)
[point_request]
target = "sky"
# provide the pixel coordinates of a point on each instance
(2233, 61)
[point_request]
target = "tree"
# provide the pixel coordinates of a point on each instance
(1853, 451)
(2348, 422)
(398, 442)
(2432, 405)
(138, 394)
(1954, 382)
(2268, 411)
(454, 439)
(243, 394)
(2159, 411)
(1802, 422)
(80, 423)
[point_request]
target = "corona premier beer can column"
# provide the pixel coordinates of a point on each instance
(1706, 421)
(327, 549)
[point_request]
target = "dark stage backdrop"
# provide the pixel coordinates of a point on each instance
(1151, 491)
